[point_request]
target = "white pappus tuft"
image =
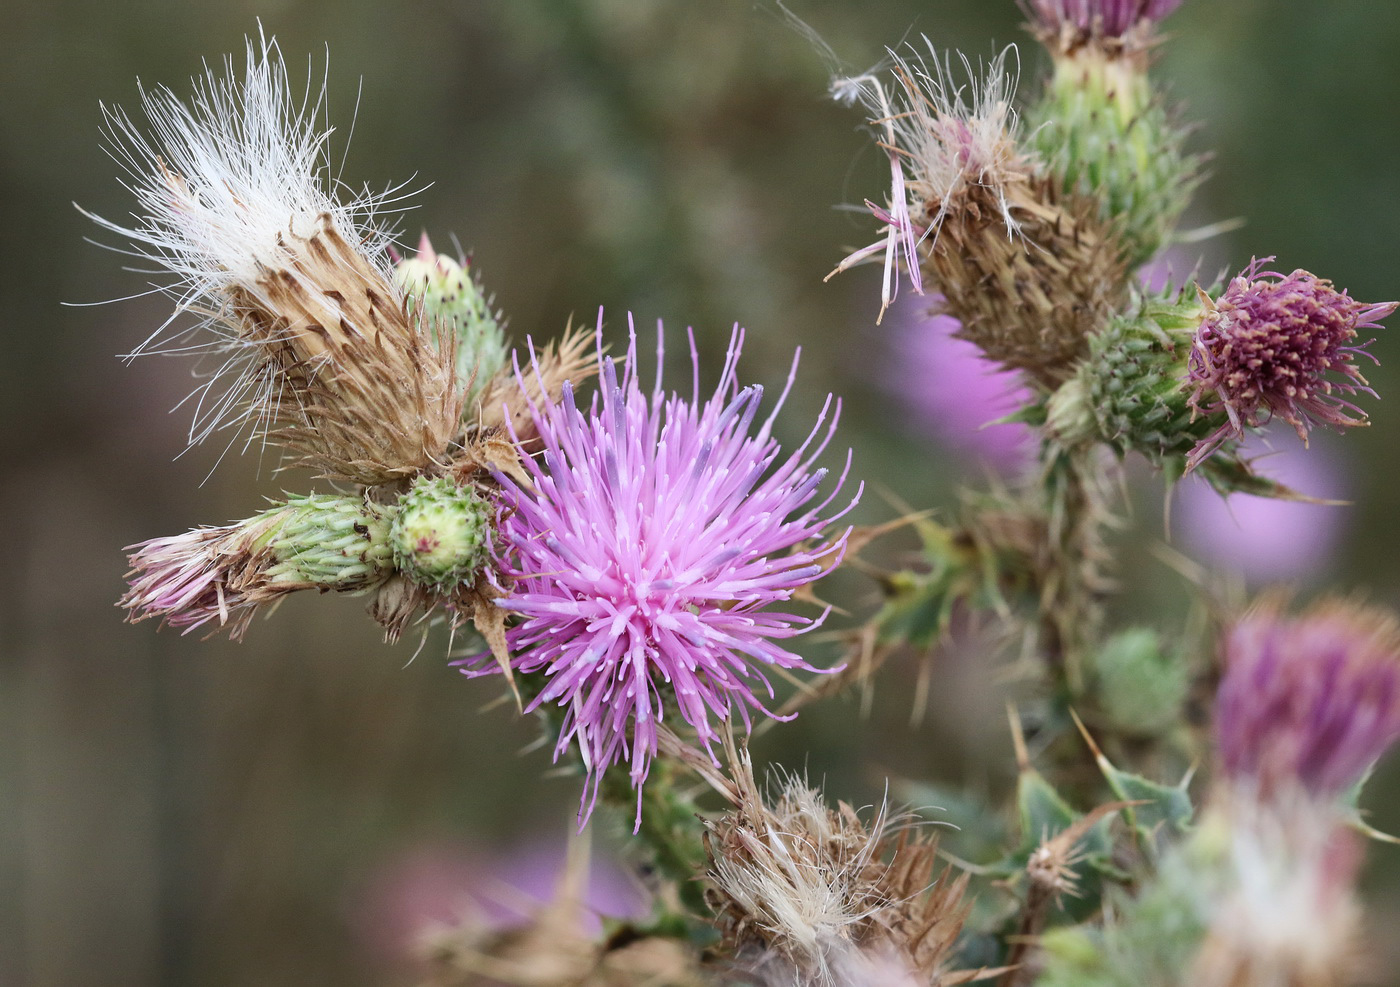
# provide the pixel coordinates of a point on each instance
(942, 139)
(223, 182)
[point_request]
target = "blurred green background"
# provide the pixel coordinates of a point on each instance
(177, 811)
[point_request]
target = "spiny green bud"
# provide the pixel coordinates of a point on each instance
(442, 533)
(1134, 380)
(329, 541)
(1140, 688)
(1100, 129)
(453, 301)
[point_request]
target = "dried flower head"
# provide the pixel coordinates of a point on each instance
(1277, 345)
(309, 334)
(642, 551)
(1308, 702)
(807, 894)
(1027, 268)
(225, 574)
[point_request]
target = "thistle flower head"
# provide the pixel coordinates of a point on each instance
(640, 555)
(949, 146)
(808, 894)
(227, 573)
(1307, 703)
(308, 333)
(1075, 21)
(1277, 345)
(1029, 268)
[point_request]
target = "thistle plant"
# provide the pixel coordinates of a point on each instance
(643, 566)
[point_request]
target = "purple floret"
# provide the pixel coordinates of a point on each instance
(1310, 702)
(1281, 346)
(1107, 18)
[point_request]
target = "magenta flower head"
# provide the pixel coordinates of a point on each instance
(1277, 345)
(1308, 703)
(640, 555)
(1101, 18)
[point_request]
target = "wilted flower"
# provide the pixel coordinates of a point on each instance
(807, 894)
(641, 553)
(225, 574)
(1029, 269)
(1280, 880)
(1308, 702)
(309, 333)
(1277, 345)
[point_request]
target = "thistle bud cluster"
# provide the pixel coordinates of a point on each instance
(391, 380)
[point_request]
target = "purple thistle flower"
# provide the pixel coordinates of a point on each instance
(1308, 703)
(652, 533)
(1274, 345)
(1104, 18)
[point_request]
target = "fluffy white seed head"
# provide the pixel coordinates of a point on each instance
(223, 182)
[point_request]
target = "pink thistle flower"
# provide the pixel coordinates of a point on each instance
(1308, 703)
(1106, 18)
(1274, 345)
(652, 533)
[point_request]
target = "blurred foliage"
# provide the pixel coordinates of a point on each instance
(175, 811)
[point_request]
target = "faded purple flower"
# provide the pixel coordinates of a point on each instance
(225, 574)
(952, 391)
(1106, 18)
(1279, 345)
(1307, 703)
(652, 533)
(1268, 539)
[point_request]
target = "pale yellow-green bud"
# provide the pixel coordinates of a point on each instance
(442, 533)
(328, 541)
(453, 302)
(1140, 687)
(1102, 130)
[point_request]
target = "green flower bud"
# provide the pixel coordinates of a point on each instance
(442, 533)
(1103, 132)
(328, 541)
(1134, 381)
(453, 301)
(1139, 687)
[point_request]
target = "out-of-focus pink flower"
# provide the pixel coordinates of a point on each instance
(439, 885)
(1264, 538)
(950, 390)
(1309, 702)
(1111, 18)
